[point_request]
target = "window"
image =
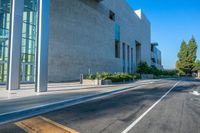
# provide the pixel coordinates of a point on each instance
(138, 52)
(117, 32)
(117, 41)
(124, 57)
(152, 48)
(131, 60)
(112, 15)
(4, 38)
(153, 60)
(117, 49)
(128, 58)
(28, 40)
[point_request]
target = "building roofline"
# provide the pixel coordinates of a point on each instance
(154, 44)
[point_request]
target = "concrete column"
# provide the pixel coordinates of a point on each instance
(15, 40)
(42, 45)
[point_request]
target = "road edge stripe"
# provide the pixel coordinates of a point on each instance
(148, 110)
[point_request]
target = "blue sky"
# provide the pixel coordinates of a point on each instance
(171, 21)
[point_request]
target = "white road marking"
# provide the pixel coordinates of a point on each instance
(196, 93)
(146, 112)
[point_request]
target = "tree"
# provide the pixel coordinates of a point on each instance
(192, 54)
(187, 57)
(181, 63)
(196, 66)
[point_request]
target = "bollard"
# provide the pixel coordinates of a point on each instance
(81, 78)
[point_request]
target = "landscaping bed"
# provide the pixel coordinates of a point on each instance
(105, 78)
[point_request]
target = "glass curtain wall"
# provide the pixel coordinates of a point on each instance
(4, 37)
(28, 39)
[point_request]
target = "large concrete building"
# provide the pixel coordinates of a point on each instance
(57, 40)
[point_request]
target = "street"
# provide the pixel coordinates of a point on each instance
(167, 106)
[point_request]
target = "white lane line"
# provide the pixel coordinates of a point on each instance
(196, 93)
(146, 112)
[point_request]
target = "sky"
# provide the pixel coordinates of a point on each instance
(172, 21)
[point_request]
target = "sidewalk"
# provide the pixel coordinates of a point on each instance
(26, 102)
(27, 90)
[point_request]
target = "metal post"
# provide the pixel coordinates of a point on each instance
(15, 40)
(42, 46)
(81, 78)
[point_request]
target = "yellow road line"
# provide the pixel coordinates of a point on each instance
(43, 125)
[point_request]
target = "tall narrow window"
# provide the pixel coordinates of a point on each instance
(138, 52)
(124, 57)
(131, 60)
(117, 49)
(117, 32)
(128, 58)
(117, 41)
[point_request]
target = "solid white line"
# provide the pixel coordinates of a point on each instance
(146, 112)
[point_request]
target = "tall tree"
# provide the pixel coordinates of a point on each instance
(192, 54)
(187, 57)
(182, 64)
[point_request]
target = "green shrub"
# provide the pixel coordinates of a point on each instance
(143, 68)
(114, 77)
(103, 75)
(170, 72)
(155, 71)
(90, 77)
(136, 76)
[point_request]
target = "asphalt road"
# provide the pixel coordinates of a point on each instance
(148, 109)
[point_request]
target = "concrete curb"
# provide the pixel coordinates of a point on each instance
(30, 112)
